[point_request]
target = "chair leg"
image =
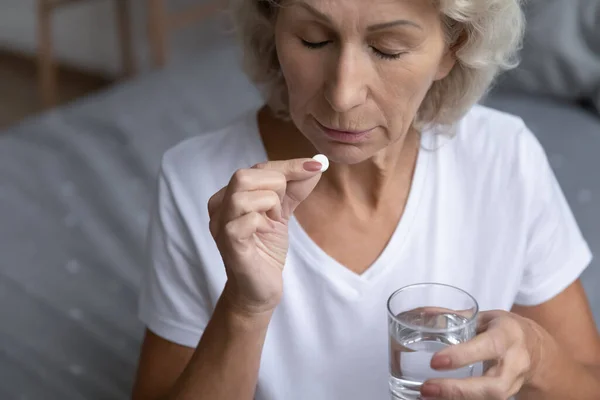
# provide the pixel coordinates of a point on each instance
(125, 37)
(158, 31)
(46, 71)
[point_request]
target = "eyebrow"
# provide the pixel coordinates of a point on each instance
(377, 27)
(391, 24)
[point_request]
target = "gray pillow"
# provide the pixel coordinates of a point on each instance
(561, 53)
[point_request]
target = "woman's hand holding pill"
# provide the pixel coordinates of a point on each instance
(249, 222)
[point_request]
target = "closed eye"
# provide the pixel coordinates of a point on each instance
(387, 56)
(378, 53)
(315, 45)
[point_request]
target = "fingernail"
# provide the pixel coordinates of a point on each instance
(430, 390)
(312, 166)
(441, 362)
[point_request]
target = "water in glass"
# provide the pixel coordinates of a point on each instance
(412, 348)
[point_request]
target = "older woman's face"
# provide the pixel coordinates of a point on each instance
(357, 71)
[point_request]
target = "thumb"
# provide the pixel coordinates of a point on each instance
(297, 192)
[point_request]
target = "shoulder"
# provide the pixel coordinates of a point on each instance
(493, 158)
(490, 140)
(214, 151)
(203, 164)
(486, 131)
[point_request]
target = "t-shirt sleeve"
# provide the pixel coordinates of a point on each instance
(556, 252)
(174, 301)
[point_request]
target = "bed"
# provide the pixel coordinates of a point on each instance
(76, 185)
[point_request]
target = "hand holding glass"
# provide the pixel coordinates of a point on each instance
(422, 320)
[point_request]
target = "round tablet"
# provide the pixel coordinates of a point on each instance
(323, 160)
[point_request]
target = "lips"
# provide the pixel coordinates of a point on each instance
(347, 136)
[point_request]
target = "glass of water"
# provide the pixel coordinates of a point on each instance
(422, 320)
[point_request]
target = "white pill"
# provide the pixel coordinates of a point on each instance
(323, 160)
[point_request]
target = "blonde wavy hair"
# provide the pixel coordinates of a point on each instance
(485, 35)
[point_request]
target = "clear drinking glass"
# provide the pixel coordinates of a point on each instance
(422, 320)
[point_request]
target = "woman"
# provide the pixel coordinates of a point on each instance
(424, 186)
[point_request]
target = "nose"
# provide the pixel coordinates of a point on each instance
(346, 87)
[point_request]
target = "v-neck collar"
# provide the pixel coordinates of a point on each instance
(333, 269)
(322, 262)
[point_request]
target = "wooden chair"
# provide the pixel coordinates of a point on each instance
(46, 67)
(162, 22)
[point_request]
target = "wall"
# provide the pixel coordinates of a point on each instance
(85, 33)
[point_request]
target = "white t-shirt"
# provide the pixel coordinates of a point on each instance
(485, 213)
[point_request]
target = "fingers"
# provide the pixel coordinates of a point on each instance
(294, 170)
(261, 201)
(490, 345)
(501, 346)
(241, 203)
(248, 180)
(487, 388)
(302, 176)
(245, 180)
(241, 229)
(487, 317)
(500, 382)
(274, 188)
(238, 192)
(500, 333)
(274, 175)
(215, 201)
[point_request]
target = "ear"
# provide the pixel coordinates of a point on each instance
(447, 62)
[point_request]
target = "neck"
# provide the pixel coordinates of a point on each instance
(387, 174)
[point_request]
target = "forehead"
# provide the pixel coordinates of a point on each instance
(370, 11)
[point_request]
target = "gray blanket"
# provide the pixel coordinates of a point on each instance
(75, 188)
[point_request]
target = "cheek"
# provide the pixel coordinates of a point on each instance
(301, 72)
(404, 86)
